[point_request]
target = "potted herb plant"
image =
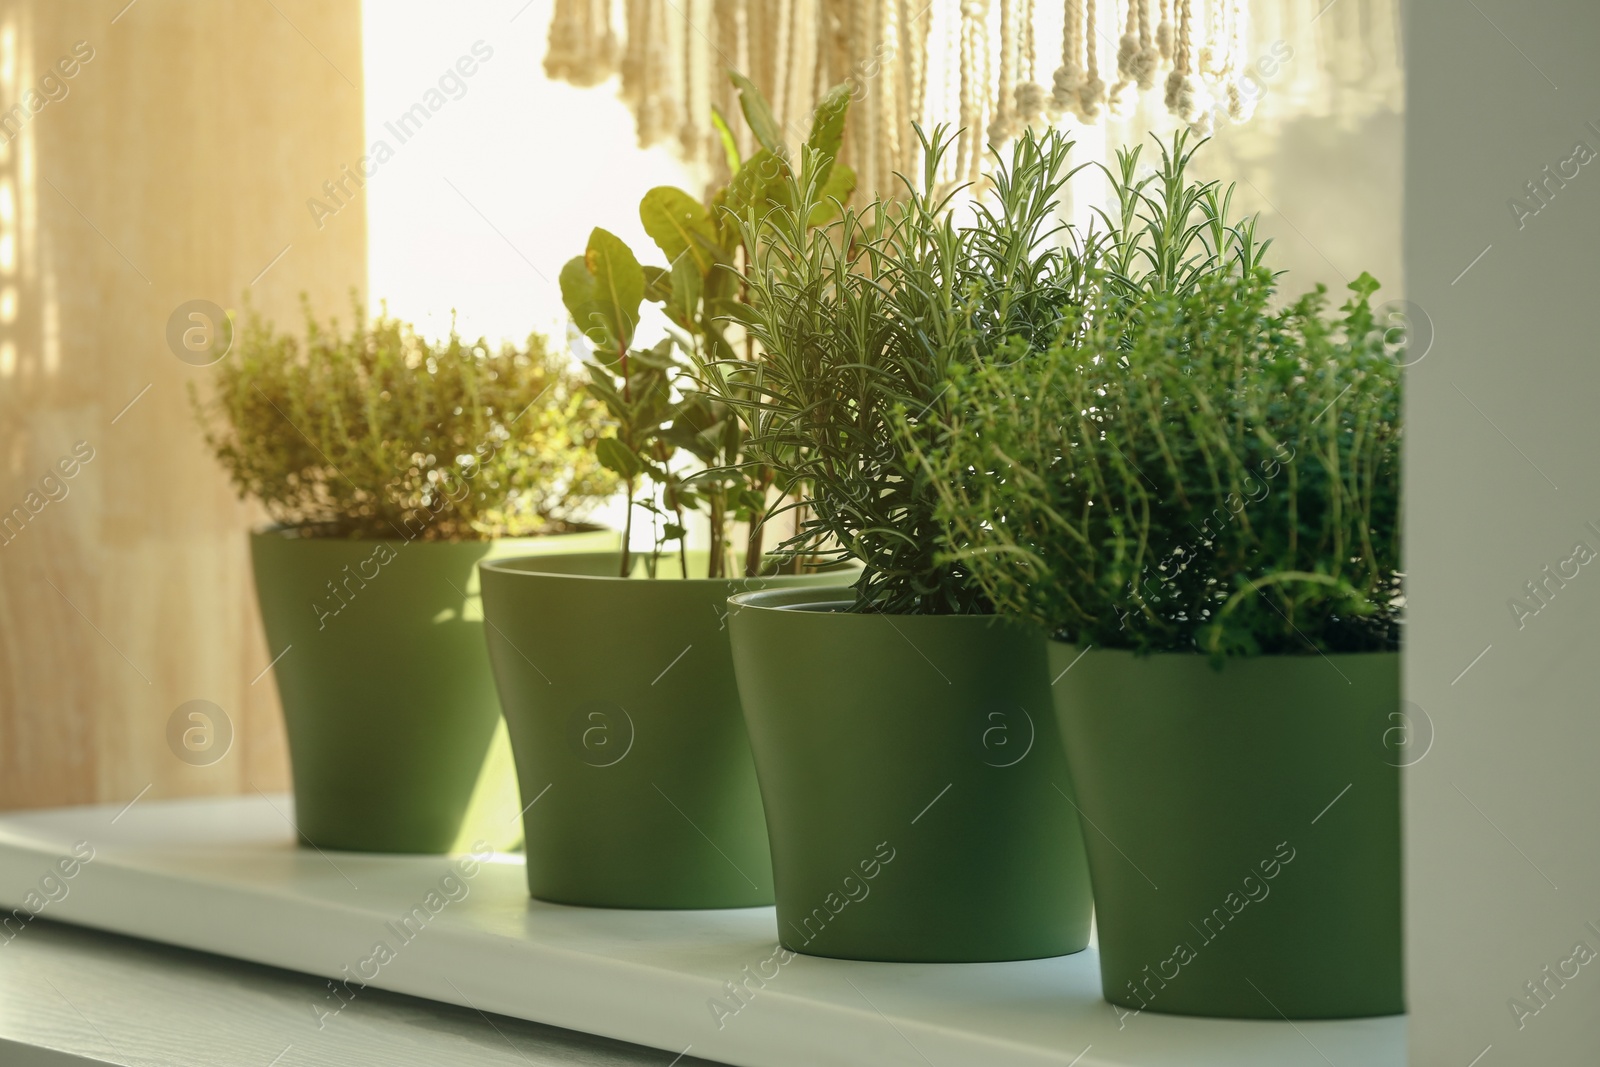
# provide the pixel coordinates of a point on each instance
(392, 465)
(1194, 486)
(919, 805)
(613, 668)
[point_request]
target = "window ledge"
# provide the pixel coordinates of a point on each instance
(224, 876)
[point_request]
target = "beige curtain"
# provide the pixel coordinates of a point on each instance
(988, 67)
(150, 155)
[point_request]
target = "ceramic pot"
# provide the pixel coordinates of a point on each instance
(916, 795)
(387, 695)
(624, 716)
(1243, 827)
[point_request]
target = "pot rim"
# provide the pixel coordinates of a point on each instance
(282, 532)
(1190, 657)
(831, 597)
(828, 598)
(509, 566)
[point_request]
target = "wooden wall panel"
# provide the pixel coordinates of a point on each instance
(175, 166)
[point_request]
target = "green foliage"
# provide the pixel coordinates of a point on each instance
(380, 433)
(861, 324)
(669, 402)
(1170, 234)
(1178, 465)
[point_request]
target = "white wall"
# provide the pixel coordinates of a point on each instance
(478, 211)
(1503, 817)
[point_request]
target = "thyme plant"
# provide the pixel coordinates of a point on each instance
(859, 324)
(1180, 465)
(381, 433)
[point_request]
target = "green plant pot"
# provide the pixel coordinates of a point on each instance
(624, 717)
(1243, 828)
(387, 696)
(916, 795)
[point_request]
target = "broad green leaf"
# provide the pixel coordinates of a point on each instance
(762, 185)
(660, 357)
(619, 286)
(757, 113)
(616, 456)
(730, 146)
(827, 129)
(717, 346)
(841, 183)
(580, 293)
(687, 285)
(732, 434)
(657, 283)
(602, 382)
(674, 220)
(685, 438)
(741, 314)
(750, 503)
(722, 285)
(658, 472)
(696, 413)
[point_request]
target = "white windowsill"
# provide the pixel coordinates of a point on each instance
(223, 876)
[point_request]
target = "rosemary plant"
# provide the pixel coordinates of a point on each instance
(1182, 466)
(380, 433)
(860, 324)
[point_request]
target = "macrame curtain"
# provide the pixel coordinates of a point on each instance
(989, 67)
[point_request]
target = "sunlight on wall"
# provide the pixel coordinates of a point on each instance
(483, 176)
